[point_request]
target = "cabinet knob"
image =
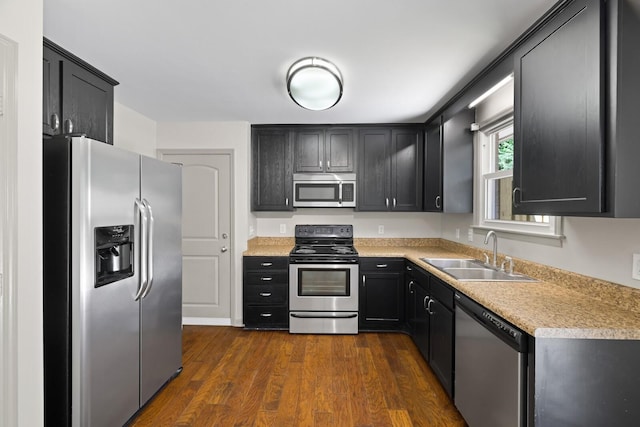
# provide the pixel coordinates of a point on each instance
(55, 122)
(513, 197)
(68, 126)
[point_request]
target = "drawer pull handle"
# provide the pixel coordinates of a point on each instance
(265, 294)
(266, 279)
(265, 315)
(266, 264)
(381, 265)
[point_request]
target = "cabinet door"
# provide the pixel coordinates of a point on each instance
(309, 150)
(421, 331)
(441, 349)
(433, 167)
(374, 170)
(272, 159)
(87, 103)
(381, 300)
(410, 301)
(406, 170)
(457, 163)
(339, 150)
(559, 110)
(51, 116)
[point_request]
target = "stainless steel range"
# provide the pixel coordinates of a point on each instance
(323, 281)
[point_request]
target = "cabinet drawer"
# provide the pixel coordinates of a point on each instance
(442, 292)
(381, 264)
(266, 263)
(266, 294)
(266, 316)
(267, 277)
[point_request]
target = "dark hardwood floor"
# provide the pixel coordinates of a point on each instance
(234, 377)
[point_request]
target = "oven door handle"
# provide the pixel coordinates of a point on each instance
(324, 316)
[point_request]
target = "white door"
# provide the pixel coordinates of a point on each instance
(206, 235)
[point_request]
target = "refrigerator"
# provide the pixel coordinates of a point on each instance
(112, 280)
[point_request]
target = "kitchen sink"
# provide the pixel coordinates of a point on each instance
(441, 263)
(473, 270)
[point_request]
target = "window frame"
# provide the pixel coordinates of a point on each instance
(485, 141)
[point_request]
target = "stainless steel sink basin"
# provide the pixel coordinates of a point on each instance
(473, 270)
(485, 274)
(441, 263)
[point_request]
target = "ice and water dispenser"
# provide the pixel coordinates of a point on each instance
(114, 253)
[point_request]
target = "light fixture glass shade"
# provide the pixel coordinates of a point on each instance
(314, 83)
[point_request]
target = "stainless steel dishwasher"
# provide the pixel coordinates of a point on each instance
(490, 367)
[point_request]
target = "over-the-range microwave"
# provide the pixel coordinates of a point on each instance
(324, 190)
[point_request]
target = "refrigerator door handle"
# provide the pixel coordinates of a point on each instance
(149, 242)
(141, 211)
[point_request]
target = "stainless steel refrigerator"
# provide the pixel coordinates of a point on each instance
(112, 280)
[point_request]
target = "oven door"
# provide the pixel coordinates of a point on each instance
(323, 287)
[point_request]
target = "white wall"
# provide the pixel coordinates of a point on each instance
(365, 224)
(133, 131)
(21, 21)
(222, 135)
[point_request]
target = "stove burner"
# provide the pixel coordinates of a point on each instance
(305, 251)
(342, 249)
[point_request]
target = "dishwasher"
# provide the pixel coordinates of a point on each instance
(490, 367)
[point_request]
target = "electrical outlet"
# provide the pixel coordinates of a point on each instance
(635, 267)
(381, 229)
(283, 228)
(470, 234)
(457, 233)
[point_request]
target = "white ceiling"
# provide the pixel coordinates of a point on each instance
(221, 60)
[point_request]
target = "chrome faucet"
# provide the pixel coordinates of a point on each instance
(493, 234)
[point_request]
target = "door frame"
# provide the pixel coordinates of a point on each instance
(9, 236)
(235, 260)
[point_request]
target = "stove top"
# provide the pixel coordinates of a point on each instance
(324, 244)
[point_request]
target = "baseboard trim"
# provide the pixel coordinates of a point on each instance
(207, 321)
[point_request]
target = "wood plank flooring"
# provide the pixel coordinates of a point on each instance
(234, 377)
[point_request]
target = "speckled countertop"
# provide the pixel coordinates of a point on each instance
(561, 305)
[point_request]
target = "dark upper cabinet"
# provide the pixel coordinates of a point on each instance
(576, 92)
(324, 150)
(390, 169)
(77, 98)
(433, 167)
(559, 115)
(448, 160)
(272, 160)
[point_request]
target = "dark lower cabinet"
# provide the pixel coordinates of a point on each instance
(266, 292)
(441, 332)
(430, 321)
(381, 295)
(422, 322)
(77, 98)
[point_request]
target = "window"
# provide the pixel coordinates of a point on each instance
(494, 184)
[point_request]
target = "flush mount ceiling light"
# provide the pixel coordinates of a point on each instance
(314, 83)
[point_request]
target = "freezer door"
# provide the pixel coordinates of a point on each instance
(104, 319)
(161, 305)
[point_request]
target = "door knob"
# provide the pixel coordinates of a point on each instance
(224, 249)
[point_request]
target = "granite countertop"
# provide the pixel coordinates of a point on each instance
(560, 305)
